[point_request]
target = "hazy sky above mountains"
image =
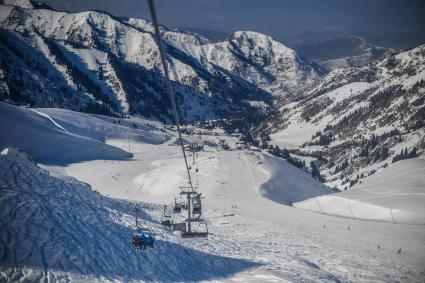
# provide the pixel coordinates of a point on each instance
(279, 18)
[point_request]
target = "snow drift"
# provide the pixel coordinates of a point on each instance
(46, 141)
(105, 128)
(395, 194)
(288, 184)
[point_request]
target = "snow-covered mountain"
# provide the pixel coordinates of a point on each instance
(356, 120)
(333, 50)
(95, 62)
(259, 59)
(69, 181)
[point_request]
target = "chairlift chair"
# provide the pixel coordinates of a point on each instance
(178, 226)
(181, 203)
(196, 204)
(177, 206)
(142, 238)
(166, 218)
(184, 205)
(195, 228)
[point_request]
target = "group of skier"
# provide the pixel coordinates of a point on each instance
(142, 241)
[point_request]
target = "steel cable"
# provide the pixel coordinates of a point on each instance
(169, 87)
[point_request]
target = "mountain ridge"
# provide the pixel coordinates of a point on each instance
(355, 121)
(333, 50)
(104, 64)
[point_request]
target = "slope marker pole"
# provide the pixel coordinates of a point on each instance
(321, 209)
(392, 216)
(352, 214)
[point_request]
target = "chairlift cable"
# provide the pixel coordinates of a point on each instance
(169, 87)
(187, 233)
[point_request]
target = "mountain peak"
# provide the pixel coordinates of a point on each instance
(250, 34)
(256, 40)
(25, 4)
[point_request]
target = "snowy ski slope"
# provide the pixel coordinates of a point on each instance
(41, 137)
(396, 194)
(56, 228)
(73, 221)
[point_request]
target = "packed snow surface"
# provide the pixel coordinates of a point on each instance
(39, 135)
(57, 228)
(73, 221)
(396, 194)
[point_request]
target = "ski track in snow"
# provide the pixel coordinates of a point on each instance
(286, 254)
(284, 250)
(55, 228)
(74, 223)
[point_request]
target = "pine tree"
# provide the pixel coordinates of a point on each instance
(315, 172)
(364, 152)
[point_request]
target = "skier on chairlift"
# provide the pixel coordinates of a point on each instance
(142, 241)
